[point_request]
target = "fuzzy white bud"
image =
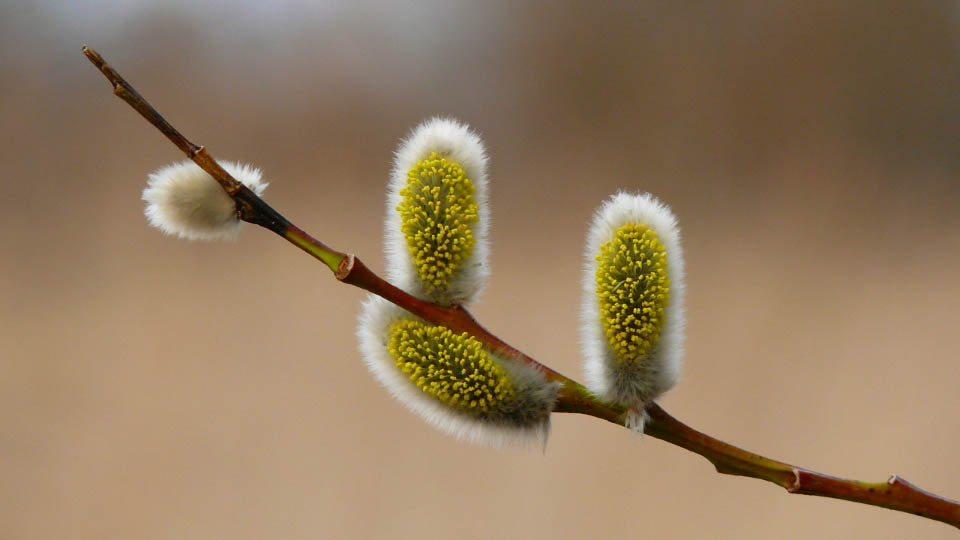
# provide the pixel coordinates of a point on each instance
(184, 201)
(633, 302)
(451, 381)
(437, 216)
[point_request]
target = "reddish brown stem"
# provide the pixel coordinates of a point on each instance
(455, 318)
(895, 494)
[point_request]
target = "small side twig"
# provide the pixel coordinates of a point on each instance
(895, 494)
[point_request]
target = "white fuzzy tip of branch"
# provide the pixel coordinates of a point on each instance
(437, 213)
(184, 201)
(632, 321)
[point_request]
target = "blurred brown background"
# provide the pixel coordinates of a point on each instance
(155, 388)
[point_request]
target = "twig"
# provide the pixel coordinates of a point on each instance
(895, 494)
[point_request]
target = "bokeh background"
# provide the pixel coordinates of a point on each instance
(156, 388)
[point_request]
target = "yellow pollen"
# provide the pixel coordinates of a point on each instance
(633, 291)
(437, 210)
(453, 368)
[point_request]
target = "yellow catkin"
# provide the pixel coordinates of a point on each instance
(451, 367)
(437, 210)
(633, 291)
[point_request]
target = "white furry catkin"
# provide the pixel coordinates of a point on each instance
(633, 302)
(437, 217)
(451, 381)
(184, 201)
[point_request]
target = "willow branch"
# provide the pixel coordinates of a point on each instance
(895, 494)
